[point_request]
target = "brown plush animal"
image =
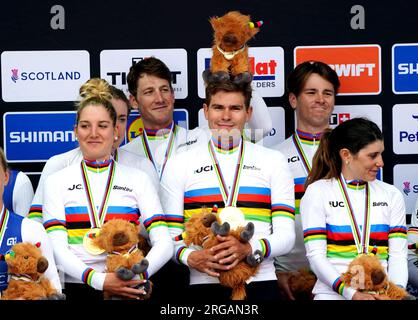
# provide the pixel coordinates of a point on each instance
(366, 274)
(230, 51)
(301, 283)
(120, 239)
(202, 229)
(26, 265)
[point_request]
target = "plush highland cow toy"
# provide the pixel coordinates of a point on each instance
(366, 274)
(230, 50)
(26, 265)
(202, 229)
(121, 239)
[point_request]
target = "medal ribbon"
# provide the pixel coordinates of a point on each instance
(3, 223)
(301, 153)
(97, 218)
(168, 150)
(229, 198)
(362, 246)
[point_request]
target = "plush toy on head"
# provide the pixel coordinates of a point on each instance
(120, 239)
(26, 265)
(230, 51)
(366, 274)
(202, 229)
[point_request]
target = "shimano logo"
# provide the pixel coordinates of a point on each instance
(250, 167)
(115, 187)
(41, 136)
(380, 204)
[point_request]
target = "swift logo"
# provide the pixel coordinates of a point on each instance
(357, 66)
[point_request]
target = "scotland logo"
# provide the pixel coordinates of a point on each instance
(15, 75)
(406, 187)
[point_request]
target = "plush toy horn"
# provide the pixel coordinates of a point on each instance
(374, 251)
(38, 244)
(256, 24)
(215, 209)
(412, 245)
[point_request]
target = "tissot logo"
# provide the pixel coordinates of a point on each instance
(337, 118)
(115, 64)
(202, 169)
(380, 204)
(115, 187)
(75, 187)
(336, 204)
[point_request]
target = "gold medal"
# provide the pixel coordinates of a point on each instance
(88, 243)
(234, 216)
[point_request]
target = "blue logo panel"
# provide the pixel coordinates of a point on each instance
(405, 68)
(36, 136)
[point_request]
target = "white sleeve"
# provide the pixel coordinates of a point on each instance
(22, 194)
(34, 232)
(397, 262)
(261, 118)
(282, 238)
(154, 221)
(172, 198)
(412, 255)
(51, 166)
(55, 225)
(315, 236)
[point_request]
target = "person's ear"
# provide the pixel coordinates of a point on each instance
(345, 155)
(293, 100)
(134, 102)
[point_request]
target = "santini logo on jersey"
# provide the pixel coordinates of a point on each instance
(380, 204)
(115, 187)
(244, 167)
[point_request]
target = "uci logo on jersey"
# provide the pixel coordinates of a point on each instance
(11, 241)
(335, 204)
(206, 168)
(293, 159)
(75, 186)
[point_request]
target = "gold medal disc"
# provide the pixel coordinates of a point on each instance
(89, 244)
(234, 216)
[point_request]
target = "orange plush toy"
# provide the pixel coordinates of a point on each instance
(26, 265)
(230, 50)
(120, 239)
(366, 274)
(202, 229)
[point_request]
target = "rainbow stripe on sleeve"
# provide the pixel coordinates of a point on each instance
(155, 221)
(35, 211)
(397, 232)
(55, 225)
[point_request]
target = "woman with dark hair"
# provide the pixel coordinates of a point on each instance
(347, 212)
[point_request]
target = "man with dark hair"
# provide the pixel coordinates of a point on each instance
(312, 87)
(255, 185)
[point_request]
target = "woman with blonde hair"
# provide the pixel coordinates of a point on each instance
(80, 198)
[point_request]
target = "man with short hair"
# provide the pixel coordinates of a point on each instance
(312, 87)
(252, 180)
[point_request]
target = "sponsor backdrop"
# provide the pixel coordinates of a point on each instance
(46, 55)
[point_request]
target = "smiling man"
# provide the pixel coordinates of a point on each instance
(312, 87)
(253, 181)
